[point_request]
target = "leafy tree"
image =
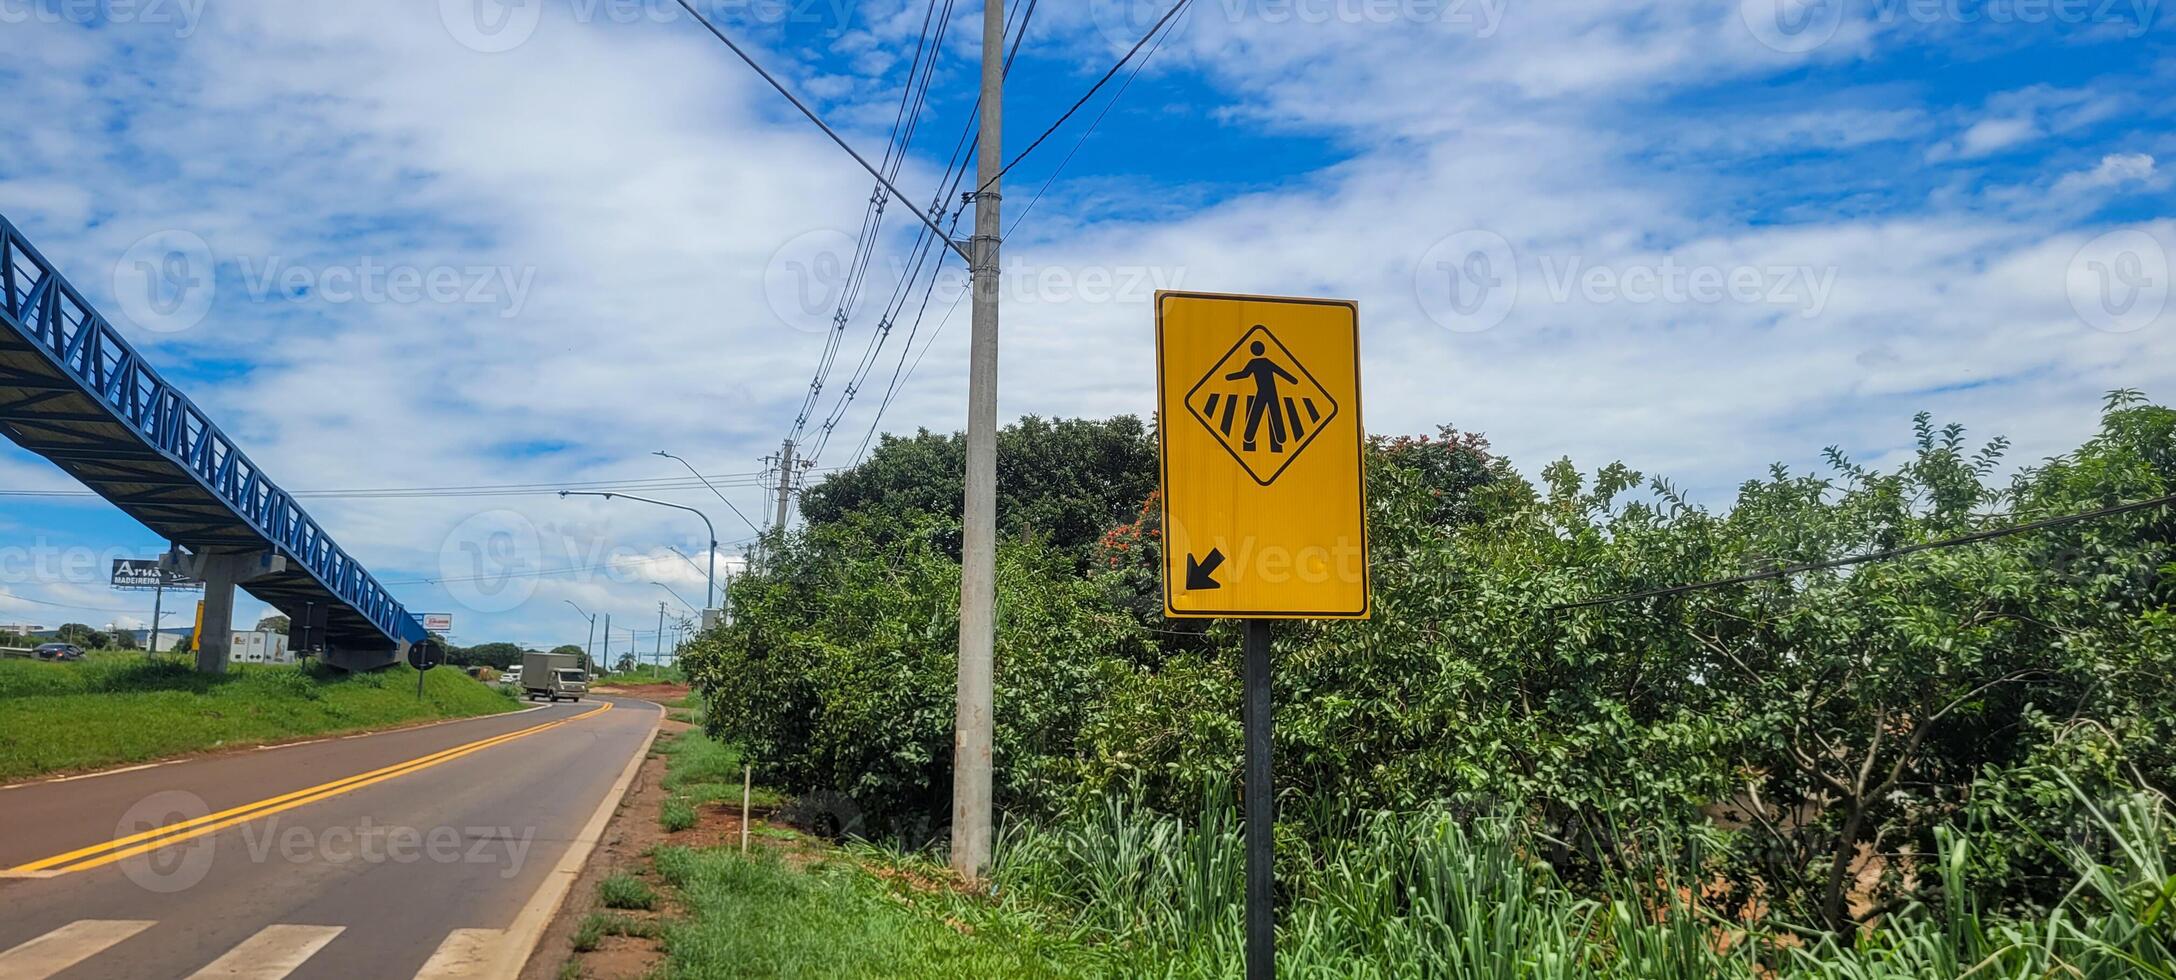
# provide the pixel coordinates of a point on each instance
(568, 649)
(82, 636)
(1821, 728)
(839, 670)
(274, 623)
(496, 655)
(1064, 481)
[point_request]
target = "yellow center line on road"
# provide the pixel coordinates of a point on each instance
(107, 852)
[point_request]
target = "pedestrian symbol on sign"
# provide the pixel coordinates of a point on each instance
(1262, 405)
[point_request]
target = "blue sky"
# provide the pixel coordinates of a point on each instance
(1895, 205)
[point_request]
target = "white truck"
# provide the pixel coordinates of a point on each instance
(554, 676)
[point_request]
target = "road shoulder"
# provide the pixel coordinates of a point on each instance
(621, 849)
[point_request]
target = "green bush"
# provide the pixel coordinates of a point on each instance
(1819, 716)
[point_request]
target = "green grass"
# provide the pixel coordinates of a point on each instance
(626, 892)
(589, 933)
(676, 814)
(116, 710)
(757, 917)
(699, 772)
(1122, 893)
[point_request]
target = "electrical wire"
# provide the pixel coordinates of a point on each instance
(1175, 10)
(478, 490)
(4, 596)
(1884, 555)
(1091, 130)
(914, 94)
(811, 114)
(955, 172)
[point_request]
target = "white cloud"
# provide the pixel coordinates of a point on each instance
(2114, 170)
(647, 180)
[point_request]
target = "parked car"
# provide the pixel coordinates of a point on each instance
(57, 651)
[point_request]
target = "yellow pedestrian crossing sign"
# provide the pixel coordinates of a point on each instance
(1294, 406)
(1259, 419)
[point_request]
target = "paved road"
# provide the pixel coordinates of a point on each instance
(425, 852)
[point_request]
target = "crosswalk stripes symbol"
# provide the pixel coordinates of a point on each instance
(1262, 405)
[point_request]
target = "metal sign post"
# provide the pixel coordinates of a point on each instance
(1261, 808)
(424, 656)
(1264, 507)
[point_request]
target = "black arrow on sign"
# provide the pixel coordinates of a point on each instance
(1198, 573)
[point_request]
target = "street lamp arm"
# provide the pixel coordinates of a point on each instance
(711, 597)
(720, 494)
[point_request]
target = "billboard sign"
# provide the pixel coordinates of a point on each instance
(144, 574)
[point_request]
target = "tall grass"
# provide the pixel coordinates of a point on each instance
(1433, 895)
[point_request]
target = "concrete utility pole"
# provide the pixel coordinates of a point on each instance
(158, 603)
(785, 483)
(659, 657)
(978, 553)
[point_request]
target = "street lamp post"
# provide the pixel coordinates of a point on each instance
(589, 647)
(721, 499)
(726, 595)
(706, 482)
(712, 595)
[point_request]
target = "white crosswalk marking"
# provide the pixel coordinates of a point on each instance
(465, 953)
(65, 947)
(272, 953)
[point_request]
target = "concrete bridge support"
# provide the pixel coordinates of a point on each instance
(221, 572)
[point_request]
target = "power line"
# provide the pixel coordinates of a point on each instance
(1091, 130)
(477, 490)
(1884, 555)
(902, 372)
(920, 73)
(1176, 8)
(62, 605)
(955, 171)
(818, 120)
(543, 572)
